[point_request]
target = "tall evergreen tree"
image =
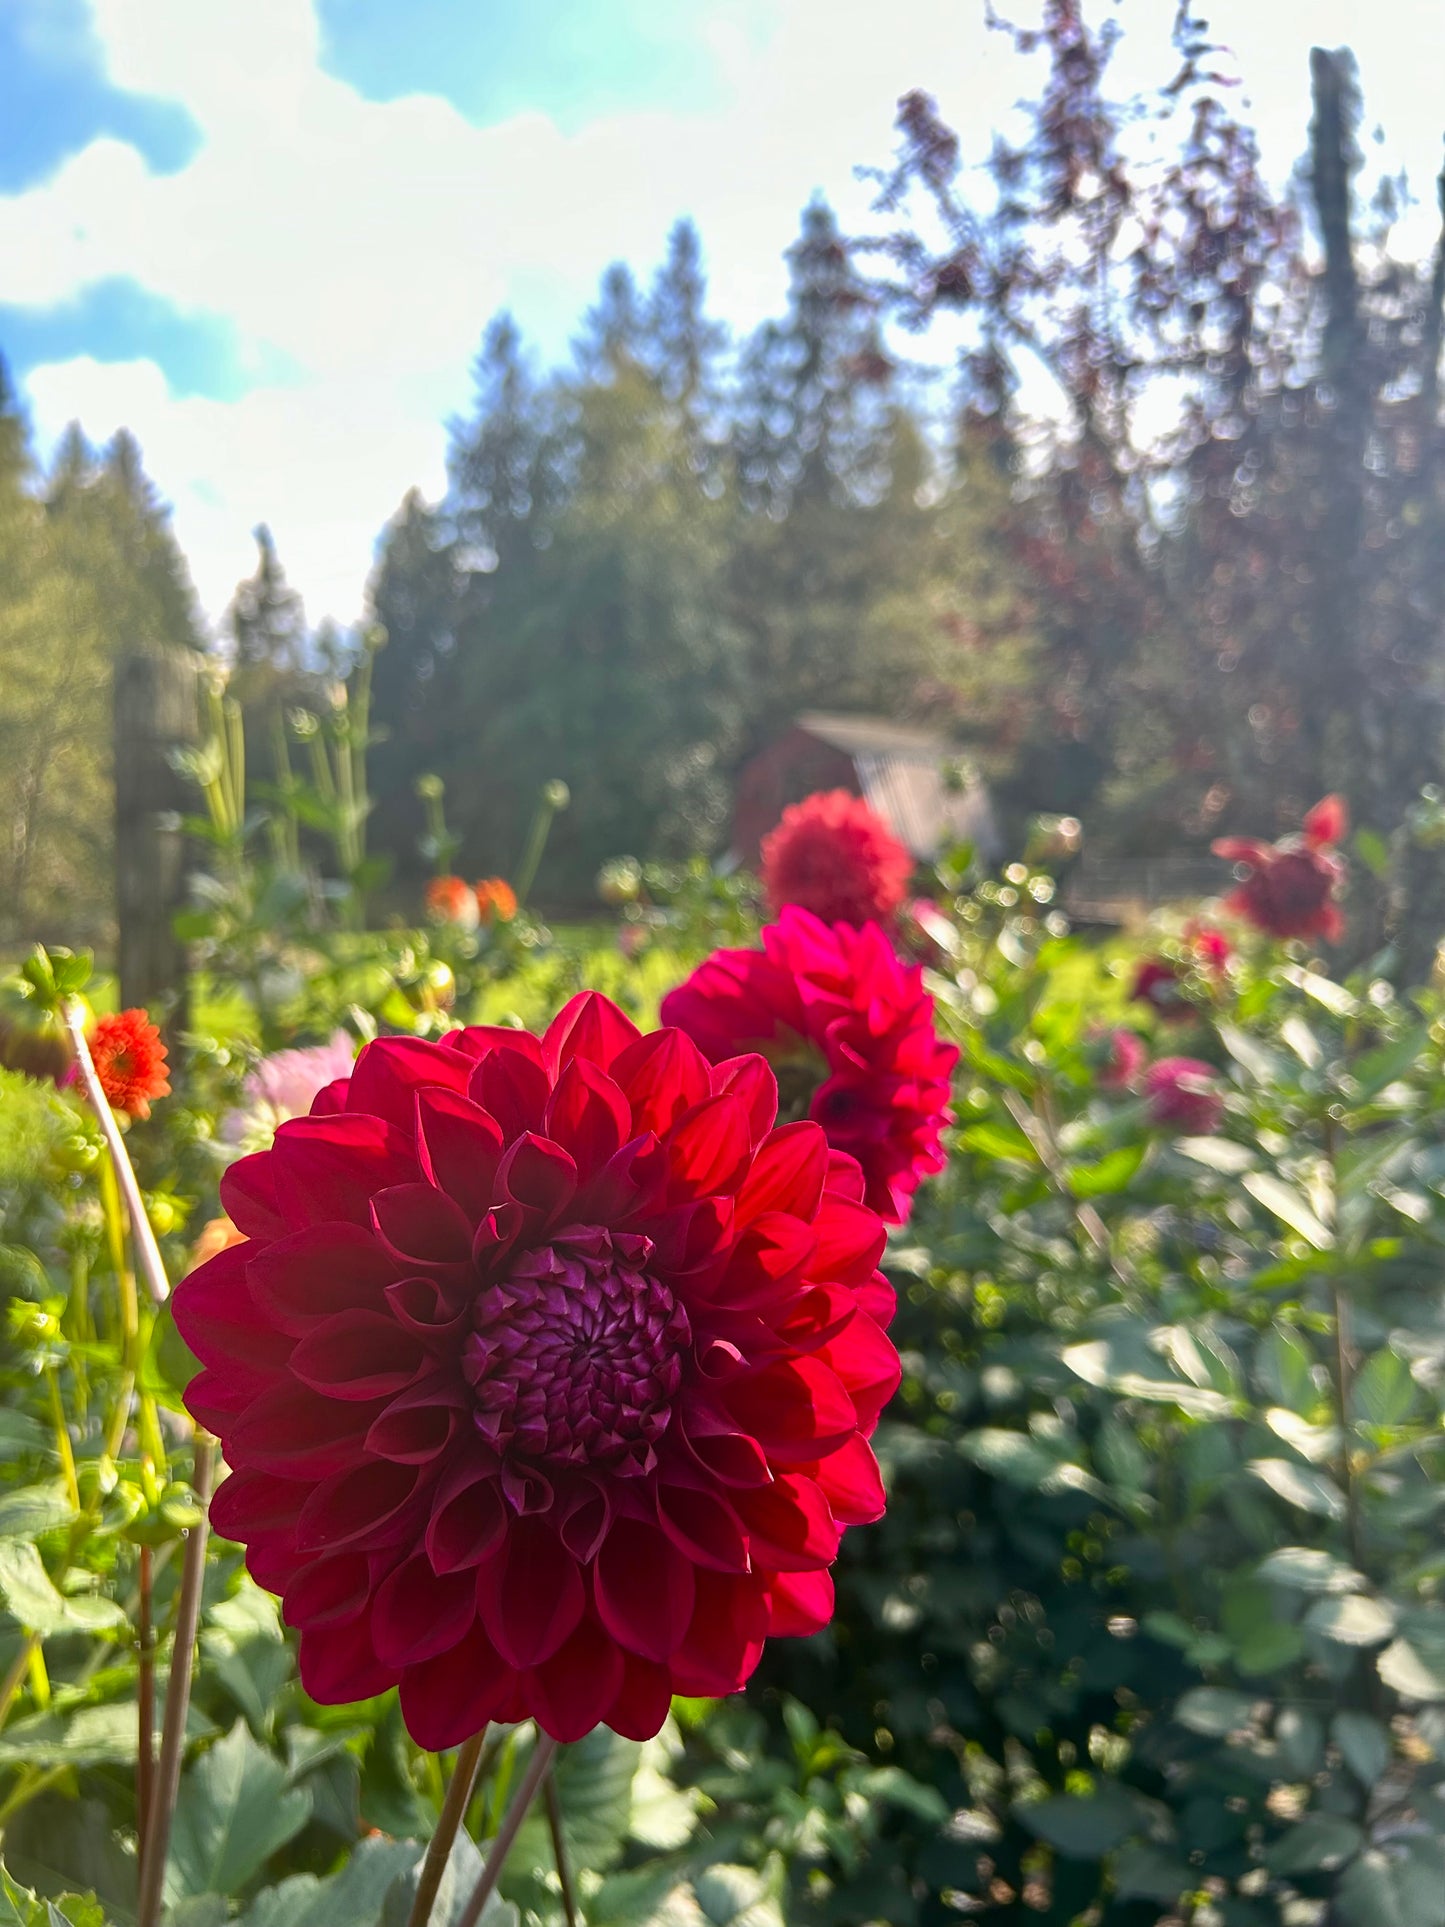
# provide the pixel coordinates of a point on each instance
(267, 625)
(682, 344)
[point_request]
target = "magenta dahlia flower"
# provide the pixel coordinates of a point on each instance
(850, 1032)
(1292, 886)
(834, 855)
(546, 1374)
(1183, 1095)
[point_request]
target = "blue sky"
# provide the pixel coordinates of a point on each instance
(267, 234)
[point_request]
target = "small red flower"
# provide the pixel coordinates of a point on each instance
(496, 900)
(1211, 948)
(450, 900)
(850, 1032)
(833, 855)
(130, 1061)
(1184, 1096)
(1156, 983)
(1123, 1056)
(1293, 884)
(545, 1374)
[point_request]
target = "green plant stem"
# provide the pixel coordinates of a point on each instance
(13, 1680)
(439, 1848)
(62, 1438)
(537, 1768)
(178, 1696)
(145, 1697)
(1343, 1375)
(31, 1784)
(532, 853)
(559, 1846)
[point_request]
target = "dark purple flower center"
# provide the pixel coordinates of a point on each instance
(577, 1353)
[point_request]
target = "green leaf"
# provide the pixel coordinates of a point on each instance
(1145, 1873)
(1302, 1041)
(80, 1736)
(32, 1598)
(1416, 1671)
(1404, 1888)
(594, 1791)
(1365, 1744)
(891, 1786)
(1083, 1826)
(1261, 1064)
(1217, 1153)
(1318, 1842)
(1215, 1711)
(1379, 1068)
(1126, 1365)
(1285, 1368)
(1308, 1569)
(233, 1813)
(1111, 1174)
(1302, 1486)
(63, 1846)
(23, 1907)
(1352, 1619)
(999, 1141)
(1384, 1393)
(355, 1895)
(459, 1877)
(1025, 1462)
(33, 1510)
(1338, 1001)
(1288, 1206)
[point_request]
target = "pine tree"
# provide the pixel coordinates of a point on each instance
(682, 346)
(267, 625)
(611, 336)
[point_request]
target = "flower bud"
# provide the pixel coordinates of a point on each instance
(556, 795)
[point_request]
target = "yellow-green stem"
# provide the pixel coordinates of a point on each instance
(13, 1680)
(62, 1438)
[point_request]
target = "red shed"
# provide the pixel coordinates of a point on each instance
(911, 777)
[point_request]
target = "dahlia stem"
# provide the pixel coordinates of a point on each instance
(559, 1848)
(454, 1807)
(537, 1767)
(178, 1696)
(145, 1759)
(148, 1251)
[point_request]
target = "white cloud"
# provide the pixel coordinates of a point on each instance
(365, 245)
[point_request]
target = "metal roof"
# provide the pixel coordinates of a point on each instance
(864, 735)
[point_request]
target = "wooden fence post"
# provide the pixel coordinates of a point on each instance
(155, 713)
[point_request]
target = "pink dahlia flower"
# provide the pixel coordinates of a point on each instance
(850, 1032)
(1183, 1095)
(835, 856)
(285, 1085)
(1293, 885)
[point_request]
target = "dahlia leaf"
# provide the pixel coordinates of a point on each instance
(233, 1812)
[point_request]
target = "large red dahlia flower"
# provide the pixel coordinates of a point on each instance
(848, 1029)
(545, 1374)
(1292, 885)
(835, 856)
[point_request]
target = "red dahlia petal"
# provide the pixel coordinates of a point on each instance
(358, 1354)
(513, 1087)
(588, 1115)
(328, 1169)
(850, 1481)
(530, 1593)
(291, 1431)
(643, 1700)
(797, 1410)
(662, 1075)
(538, 1175)
(572, 1690)
(313, 1274)
(864, 1358)
(339, 1664)
(248, 1503)
(468, 1519)
(789, 1525)
(787, 1174)
(419, 1225)
(390, 1071)
(419, 1424)
(644, 1589)
(725, 1639)
(704, 1526)
(327, 1591)
(850, 1241)
(750, 1079)
(417, 1613)
(802, 1603)
(460, 1147)
(248, 1197)
(360, 1506)
(220, 1321)
(708, 1150)
(446, 1699)
(590, 1027)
